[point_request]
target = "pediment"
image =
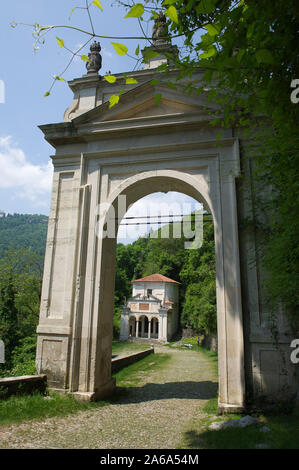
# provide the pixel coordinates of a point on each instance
(140, 103)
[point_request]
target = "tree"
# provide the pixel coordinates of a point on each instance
(20, 289)
(198, 277)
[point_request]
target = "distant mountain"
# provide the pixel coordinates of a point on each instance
(23, 231)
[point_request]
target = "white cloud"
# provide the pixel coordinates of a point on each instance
(106, 52)
(151, 206)
(25, 179)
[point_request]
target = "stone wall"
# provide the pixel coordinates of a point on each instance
(270, 374)
(188, 333)
(123, 361)
(210, 342)
(26, 384)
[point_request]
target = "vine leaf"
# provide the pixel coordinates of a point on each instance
(150, 54)
(209, 53)
(113, 100)
(136, 11)
(98, 4)
(84, 58)
(172, 14)
(121, 49)
(158, 98)
(131, 81)
(60, 41)
(205, 6)
(212, 29)
(72, 11)
(110, 78)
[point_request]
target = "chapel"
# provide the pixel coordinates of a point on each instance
(152, 311)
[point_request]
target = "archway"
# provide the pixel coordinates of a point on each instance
(151, 239)
(75, 329)
(132, 327)
(229, 319)
(155, 328)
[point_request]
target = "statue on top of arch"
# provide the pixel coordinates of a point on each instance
(160, 31)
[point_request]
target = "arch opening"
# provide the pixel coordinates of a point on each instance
(140, 324)
(228, 289)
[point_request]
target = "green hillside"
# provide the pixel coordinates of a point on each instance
(23, 231)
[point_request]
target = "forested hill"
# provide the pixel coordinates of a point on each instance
(23, 231)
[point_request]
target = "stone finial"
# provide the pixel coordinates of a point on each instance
(160, 31)
(95, 58)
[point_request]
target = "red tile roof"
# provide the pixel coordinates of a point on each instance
(156, 278)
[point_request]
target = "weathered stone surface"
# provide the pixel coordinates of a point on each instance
(120, 362)
(263, 446)
(265, 429)
(233, 423)
(247, 421)
(26, 384)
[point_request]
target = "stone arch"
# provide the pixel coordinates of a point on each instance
(75, 330)
(143, 326)
(155, 328)
(132, 326)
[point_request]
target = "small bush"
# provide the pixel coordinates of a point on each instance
(23, 357)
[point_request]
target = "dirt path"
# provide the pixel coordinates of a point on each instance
(153, 415)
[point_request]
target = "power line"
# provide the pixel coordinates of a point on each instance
(193, 217)
(160, 216)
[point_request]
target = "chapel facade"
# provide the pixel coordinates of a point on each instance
(153, 310)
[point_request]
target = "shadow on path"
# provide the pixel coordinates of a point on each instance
(153, 391)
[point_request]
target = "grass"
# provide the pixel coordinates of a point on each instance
(193, 342)
(16, 409)
(283, 431)
(211, 407)
(130, 376)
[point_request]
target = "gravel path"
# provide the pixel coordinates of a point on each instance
(153, 415)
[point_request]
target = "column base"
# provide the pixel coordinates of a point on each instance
(226, 408)
(103, 392)
(123, 338)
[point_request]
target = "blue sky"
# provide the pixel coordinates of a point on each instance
(25, 167)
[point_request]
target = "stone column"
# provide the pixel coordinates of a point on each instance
(228, 287)
(162, 324)
(149, 328)
(137, 328)
(124, 325)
